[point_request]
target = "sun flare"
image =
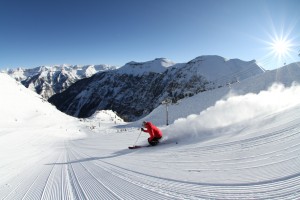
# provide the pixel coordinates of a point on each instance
(281, 47)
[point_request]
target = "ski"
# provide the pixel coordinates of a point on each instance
(137, 147)
(134, 147)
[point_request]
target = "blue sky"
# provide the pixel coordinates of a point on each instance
(48, 32)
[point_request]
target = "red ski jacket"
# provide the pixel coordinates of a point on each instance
(153, 131)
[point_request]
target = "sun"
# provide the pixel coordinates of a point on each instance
(281, 47)
(280, 42)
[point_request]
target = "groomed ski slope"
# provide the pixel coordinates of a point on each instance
(48, 155)
(259, 162)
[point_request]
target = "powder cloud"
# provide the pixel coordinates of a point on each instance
(236, 109)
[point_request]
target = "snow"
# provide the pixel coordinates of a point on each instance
(74, 71)
(286, 75)
(241, 142)
(221, 70)
(235, 112)
(159, 65)
(106, 116)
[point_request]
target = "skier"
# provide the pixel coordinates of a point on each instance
(154, 132)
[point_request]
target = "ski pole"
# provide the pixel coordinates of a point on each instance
(137, 138)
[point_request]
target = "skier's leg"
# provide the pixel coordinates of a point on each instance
(153, 142)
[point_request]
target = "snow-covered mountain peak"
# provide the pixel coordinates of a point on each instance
(214, 58)
(217, 68)
(107, 116)
(49, 80)
(158, 65)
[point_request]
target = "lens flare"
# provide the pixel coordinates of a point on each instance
(281, 42)
(281, 47)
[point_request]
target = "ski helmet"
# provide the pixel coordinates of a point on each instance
(144, 123)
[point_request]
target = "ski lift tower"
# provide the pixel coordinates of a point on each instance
(166, 102)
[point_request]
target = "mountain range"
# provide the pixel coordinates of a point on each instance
(49, 80)
(135, 89)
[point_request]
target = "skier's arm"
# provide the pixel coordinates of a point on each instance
(144, 130)
(150, 131)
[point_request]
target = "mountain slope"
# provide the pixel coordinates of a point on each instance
(159, 65)
(28, 123)
(286, 75)
(135, 89)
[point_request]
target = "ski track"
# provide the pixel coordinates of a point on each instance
(264, 183)
(110, 186)
(90, 168)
